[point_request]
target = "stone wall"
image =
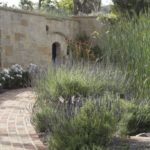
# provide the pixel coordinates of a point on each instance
(89, 24)
(28, 37)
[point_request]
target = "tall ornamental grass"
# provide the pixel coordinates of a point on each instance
(127, 45)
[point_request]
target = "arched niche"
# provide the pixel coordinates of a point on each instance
(58, 46)
(0, 57)
(56, 52)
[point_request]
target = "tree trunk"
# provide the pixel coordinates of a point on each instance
(39, 4)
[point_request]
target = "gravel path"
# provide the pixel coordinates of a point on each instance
(16, 130)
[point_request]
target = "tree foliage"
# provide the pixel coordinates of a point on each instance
(86, 6)
(26, 4)
(47, 4)
(75, 6)
(132, 6)
(66, 5)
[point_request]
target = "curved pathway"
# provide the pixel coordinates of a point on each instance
(16, 130)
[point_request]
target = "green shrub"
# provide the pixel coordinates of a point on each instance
(109, 18)
(139, 120)
(92, 126)
(93, 148)
(135, 117)
(126, 110)
(42, 120)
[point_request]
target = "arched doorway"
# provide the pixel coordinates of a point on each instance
(56, 52)
(0, 58)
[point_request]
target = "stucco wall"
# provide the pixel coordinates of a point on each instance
(24, 38)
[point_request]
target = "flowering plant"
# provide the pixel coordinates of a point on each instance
(16, 76)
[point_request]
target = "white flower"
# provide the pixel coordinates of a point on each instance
(17, 68)
(5, 71)
(3, 78)
(107, 32)
(7, 75)
(32, 68)
(61, 99)
(18, 75)
(73, 99)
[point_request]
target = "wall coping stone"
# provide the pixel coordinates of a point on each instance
(44, 15)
